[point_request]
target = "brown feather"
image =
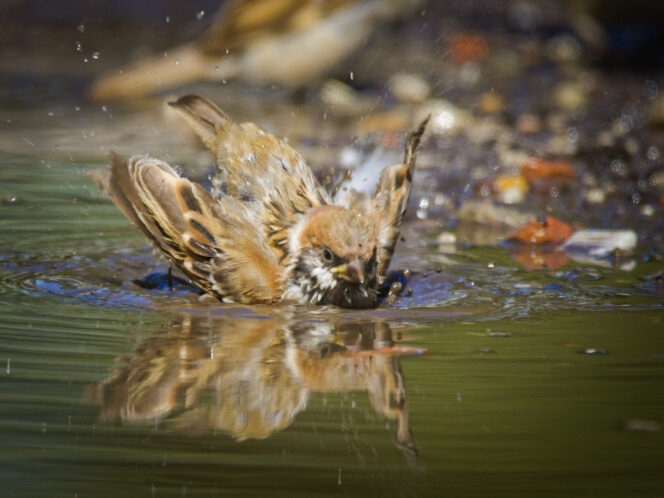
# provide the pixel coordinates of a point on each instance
(391, 200)
(212, 242)
(237, 243)
(257, 168)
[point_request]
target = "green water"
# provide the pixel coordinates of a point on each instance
(479, 384)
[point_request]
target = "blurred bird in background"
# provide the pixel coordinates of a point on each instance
(285, 42)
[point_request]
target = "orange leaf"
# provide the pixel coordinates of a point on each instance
(535, 233)
(466, 47)
(537, 169)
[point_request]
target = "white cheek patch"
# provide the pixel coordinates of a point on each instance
(325, 279)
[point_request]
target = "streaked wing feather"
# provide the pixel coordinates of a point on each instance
(391, 200)
(214, 243)
(256, 168)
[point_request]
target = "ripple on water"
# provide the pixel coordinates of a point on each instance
(464, 291)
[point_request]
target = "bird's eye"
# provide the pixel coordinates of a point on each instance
(327, 255)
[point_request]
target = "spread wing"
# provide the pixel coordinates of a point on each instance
(215, 243)
(242, 22)
(257, 169)
(391, 200)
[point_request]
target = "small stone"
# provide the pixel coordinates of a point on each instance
(409, 88)
(384, 122)
(657, 179)
(491, 103)
(445, 117)
(655, 115)
(447, 239)
(570, 96)
(595, 196)
(528, 123)
(511, 189)
(599, 243)
(343, 100)
(512, 195)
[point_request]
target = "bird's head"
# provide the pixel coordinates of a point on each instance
(333, 253)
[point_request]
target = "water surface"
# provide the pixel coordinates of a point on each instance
(485, 380)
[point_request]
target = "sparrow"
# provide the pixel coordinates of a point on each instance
(285, 42)
(267, 231)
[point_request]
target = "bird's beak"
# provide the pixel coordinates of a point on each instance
(352, 271)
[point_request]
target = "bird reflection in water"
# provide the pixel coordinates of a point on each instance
(250, 377)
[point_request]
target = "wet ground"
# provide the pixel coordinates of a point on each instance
(503, 368)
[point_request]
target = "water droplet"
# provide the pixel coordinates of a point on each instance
(85, 59)
(9, 368)
(619, 167)
(651, 89)
(81, 28)
(352, 76)
(95, 55)
(200, 15)
(594, 351)
(177, 61)
(653, 153)
(51, 113)
(459, 397)
(79, 46)
(77, 108)
(168, 18)
(572, 136)
(104, 108)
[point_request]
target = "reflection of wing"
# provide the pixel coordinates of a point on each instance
(391, 200)
(256, 168)
(203, 375)
(250, 377)
(213, 243)
(243, 22)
